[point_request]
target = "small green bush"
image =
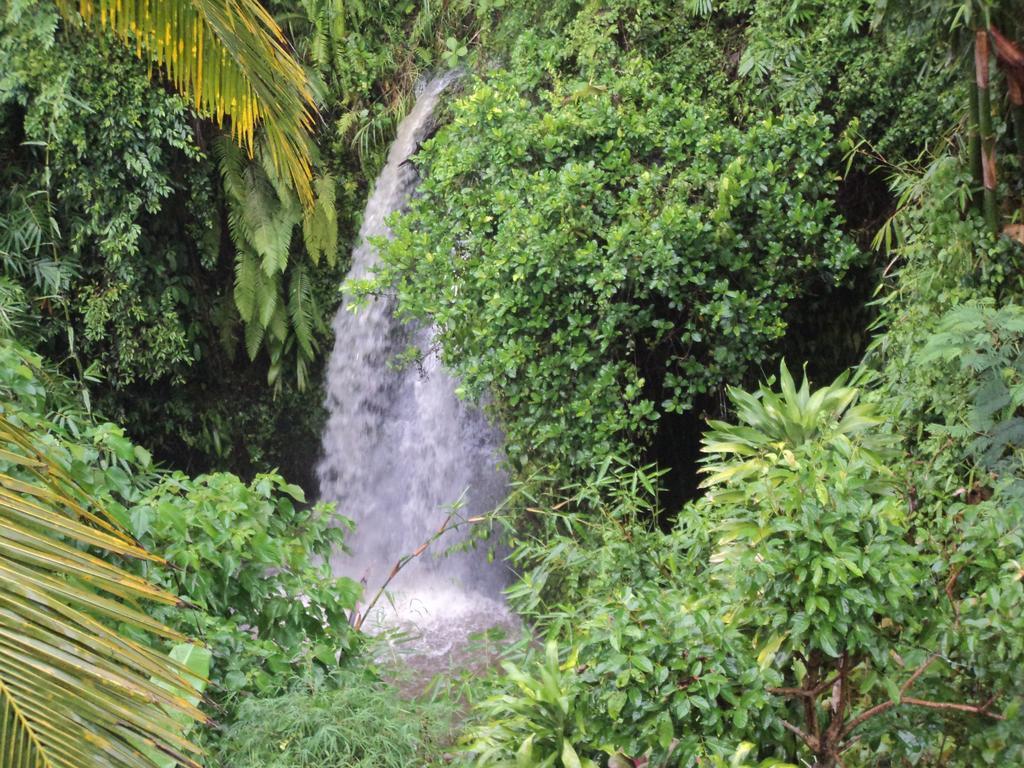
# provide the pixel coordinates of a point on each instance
(359, 724)
(255, 561)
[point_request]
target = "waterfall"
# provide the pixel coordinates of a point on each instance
(399, 447)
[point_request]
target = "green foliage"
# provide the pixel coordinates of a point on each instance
(665, 675)
(833, 52)
(980, 345)
(805, 605)
(82, 677)
(112, 231)
(263, 213)
(119, 227)
(359, 723)
(812, 539)
(616, 252)
(646, 672)
(251, 77)
(256, 563)
(100, 458)
(114, 152)
(538, 724)
(251, 560)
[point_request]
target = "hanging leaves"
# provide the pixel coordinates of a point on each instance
(229, 58)
(273, 292)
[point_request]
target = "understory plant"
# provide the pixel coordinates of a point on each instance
(803, 605)
(358, 722)
(253, 560)
(250, 561)
(85, 678)
(539, 719)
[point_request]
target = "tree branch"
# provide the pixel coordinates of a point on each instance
(810, 741)
(918, 672)
(791, 692)
(801, 693)
(885, 706)
(950, 705)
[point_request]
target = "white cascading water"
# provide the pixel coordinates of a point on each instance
(400, 448)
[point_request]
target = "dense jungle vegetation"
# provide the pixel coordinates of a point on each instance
(739, 280)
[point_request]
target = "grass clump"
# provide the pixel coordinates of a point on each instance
(358, 724)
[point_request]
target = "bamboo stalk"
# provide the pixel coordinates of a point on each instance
(990, 203)
(974, 143)
(1010, 59)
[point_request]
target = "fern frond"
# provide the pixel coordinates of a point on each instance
(302, 309)
(268, 293)
(320, 223)
(248, 277)
(254, 333)
(278, 325)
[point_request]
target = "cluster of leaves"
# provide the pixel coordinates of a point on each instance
(104, 165)
(106, 152)
(803, 605)
(74, 687)
(616, 248)
(263, 213)
(99, 271)
(829, 54)
(249, 560)
(255, 561)
(855, 570)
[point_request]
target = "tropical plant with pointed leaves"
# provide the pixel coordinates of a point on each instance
(540, 724)
(822, 563)
(774, 424)
(75, 688)
(231, 60)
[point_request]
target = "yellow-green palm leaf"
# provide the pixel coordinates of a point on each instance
(228, 57)
(75, 692)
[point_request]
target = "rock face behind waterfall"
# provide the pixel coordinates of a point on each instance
(399, 447)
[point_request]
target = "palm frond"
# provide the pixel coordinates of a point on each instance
(229, 58)
(73, 691)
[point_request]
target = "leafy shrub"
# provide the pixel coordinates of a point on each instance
(98, 455)
(596, 255)
(256, 563)
(250, 559)
(803, 605)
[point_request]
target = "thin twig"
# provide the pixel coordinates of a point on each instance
(950, 705)
(801, 693)
(404, 560)
(791, 692)
(950, 582)
(974, 709)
